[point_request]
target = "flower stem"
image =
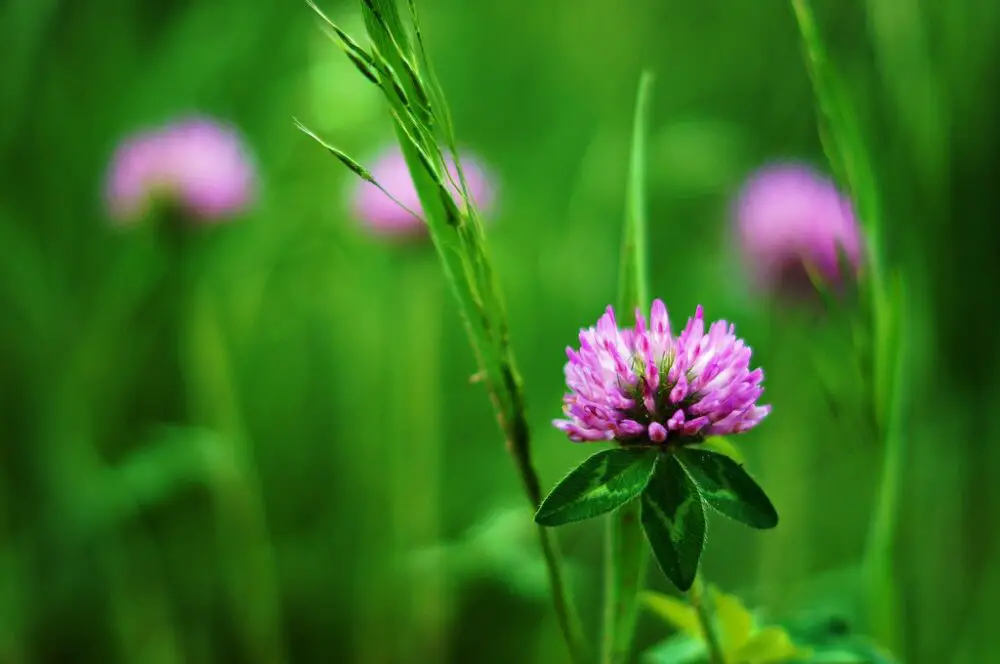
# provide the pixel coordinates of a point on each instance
(569, 620)
(241, 519)
(697, 598)
(626, 557)
(464, 257)
(881, 585)
(416, 469)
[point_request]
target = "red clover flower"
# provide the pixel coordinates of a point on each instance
(197, 164)
(643, 386)
(788, 216)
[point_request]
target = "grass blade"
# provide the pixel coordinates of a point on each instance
(633, 280)
(846, 148)
(626, 553)
(418, 108)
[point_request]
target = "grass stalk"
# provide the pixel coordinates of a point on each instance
(716, 655)
(418, 453)
(626, 552)
(846, 149)
(420, 113)
(242, 531)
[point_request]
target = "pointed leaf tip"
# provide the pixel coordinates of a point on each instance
(673, 518)
(633, 279)
(727, 487)
(602, 483)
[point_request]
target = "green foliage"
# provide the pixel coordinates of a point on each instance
(324, 373)
(673, 518)
(458, 235)
(744, 639)
(171, 460)
(626, 553)
(633, 281)
(604, 482)
(727, 487)
(847, 148)
(721, 445)
(675, 487)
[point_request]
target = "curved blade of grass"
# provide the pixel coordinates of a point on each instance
(354, 166)
(633, 276)
(843, 139)
(457, 234)
(845, 145)
(626, 554)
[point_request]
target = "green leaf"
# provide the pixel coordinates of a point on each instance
(673, 518)
(627, 553)
(771, 645)
(678, 649)
(675, 611)
(729, 489)
(720, 445)
(171, 460)
(735, 622)
(602, 483)
(633, 280)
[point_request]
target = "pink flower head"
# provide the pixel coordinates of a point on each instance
(196, 164)
(645, 386)
(385, 217)
(788, 216)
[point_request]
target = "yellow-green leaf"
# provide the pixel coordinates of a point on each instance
(722, 445)
(771, 645)
(678, 613)
(735, 622)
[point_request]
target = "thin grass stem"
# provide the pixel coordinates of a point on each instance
(626, 551)
(716, 655)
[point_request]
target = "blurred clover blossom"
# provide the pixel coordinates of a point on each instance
(790, 220)
(644, 386)
(403, 217)
(196, 164)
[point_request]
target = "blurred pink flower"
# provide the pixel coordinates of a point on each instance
(789, 216)
(197, 164)
(385, 217)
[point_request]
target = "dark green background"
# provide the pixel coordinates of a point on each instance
(332, 367)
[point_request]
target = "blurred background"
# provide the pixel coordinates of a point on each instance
(259, 442)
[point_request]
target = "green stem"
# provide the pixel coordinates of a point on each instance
(373, 591)
(845, 143)
(242, 524)
(145, 631)
(566, 615)
(626, 558)
(464, 258)
(879, 571)
(696, 596)
(416, 463)
(569, 620)
(78, 473)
